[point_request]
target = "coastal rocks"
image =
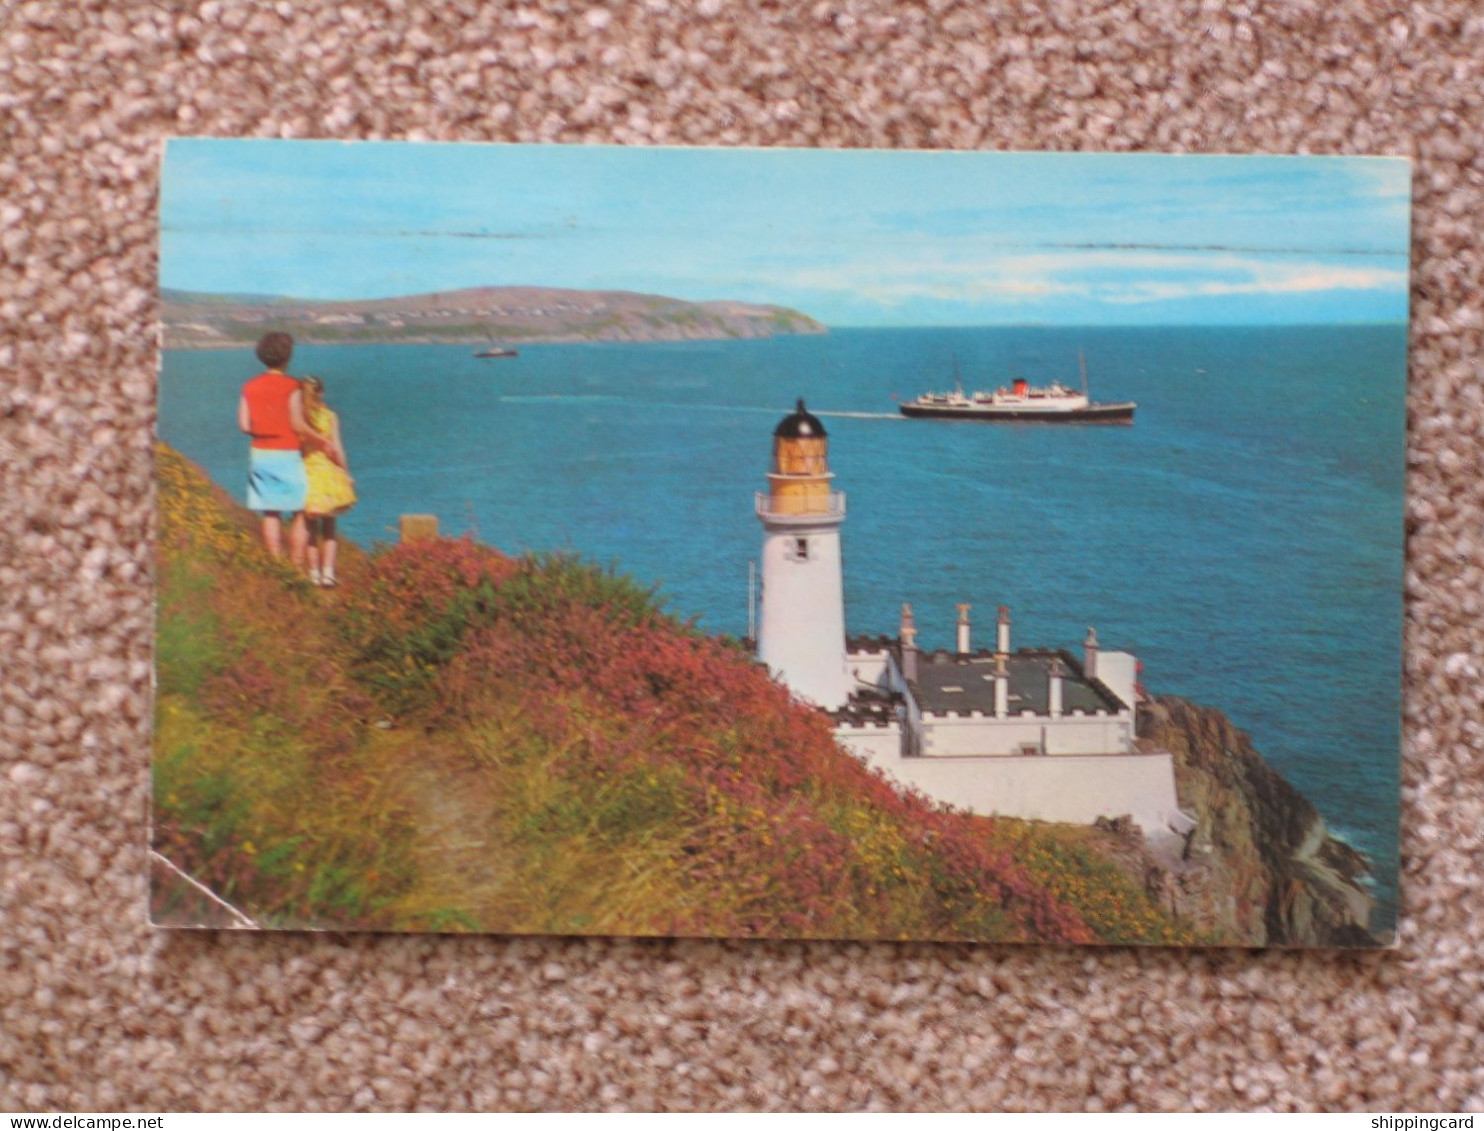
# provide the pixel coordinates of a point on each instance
(1260, 867)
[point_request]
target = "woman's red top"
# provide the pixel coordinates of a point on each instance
(268, 411)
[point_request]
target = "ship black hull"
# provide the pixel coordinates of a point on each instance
(1092, 414)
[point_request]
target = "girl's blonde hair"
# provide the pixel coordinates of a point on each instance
(314, 390)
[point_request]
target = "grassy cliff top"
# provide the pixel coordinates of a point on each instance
(458, 740)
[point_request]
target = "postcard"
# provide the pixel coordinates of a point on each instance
(780, 543)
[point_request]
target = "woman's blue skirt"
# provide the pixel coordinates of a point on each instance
(275, 480)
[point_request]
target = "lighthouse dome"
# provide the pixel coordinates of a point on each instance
(801, 448)
(801, 424)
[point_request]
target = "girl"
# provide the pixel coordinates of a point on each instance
(331, 489)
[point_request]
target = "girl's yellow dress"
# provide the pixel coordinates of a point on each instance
(330, 489)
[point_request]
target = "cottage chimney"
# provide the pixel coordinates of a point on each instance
(1090, 653)
(908, 638)
(1001, 687)
(1054, 675)
(963, 630)
(1002, 632)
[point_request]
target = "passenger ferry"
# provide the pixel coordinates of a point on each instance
(1022, 401)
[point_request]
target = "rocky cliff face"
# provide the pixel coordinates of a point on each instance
(1260, 867)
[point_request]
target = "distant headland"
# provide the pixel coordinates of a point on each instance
(477, 315)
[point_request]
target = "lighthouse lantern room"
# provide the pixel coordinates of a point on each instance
(801, 628)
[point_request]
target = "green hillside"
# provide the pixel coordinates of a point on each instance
(458, 740)
(475, 315)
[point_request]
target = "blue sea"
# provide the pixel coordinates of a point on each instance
(1243, 538)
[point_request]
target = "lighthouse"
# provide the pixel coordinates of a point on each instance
(801, 628)
(1036, 733)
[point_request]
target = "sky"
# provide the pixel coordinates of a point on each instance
(850, 237)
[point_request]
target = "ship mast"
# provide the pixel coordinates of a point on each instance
(1082, 369)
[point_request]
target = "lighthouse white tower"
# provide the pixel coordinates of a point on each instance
(801, 629)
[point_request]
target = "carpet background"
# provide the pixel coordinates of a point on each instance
(100, 1011)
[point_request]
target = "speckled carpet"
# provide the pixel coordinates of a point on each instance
(100, 1011)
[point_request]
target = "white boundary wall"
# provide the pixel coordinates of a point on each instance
(1070, 788)
(978, 734)
(868, 668)
(876, 746)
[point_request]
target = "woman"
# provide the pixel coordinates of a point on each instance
(271, 412)
(331, 490)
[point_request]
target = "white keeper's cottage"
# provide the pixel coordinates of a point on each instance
(1036, 733)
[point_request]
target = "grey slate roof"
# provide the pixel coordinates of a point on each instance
(949, 682)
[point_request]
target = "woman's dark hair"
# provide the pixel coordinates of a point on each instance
(275, 349)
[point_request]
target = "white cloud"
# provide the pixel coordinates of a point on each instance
(1268, 279)
(957, 274)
